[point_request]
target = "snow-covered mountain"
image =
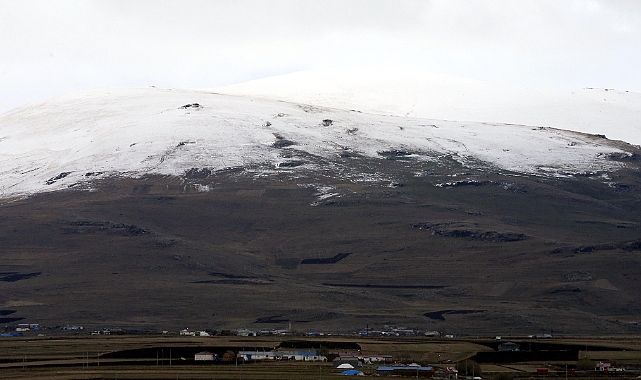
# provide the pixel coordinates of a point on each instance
(351, 202)
(74, 139)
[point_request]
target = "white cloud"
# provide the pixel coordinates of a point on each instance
(52, 47)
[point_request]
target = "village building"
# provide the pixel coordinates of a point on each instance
(305, 356)
(189, 332)
(205, 356)
(256, 355)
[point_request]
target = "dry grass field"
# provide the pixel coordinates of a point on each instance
(83, 357)
(265, 371)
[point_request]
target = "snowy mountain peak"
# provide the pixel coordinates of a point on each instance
(616, 114)
(303, 121)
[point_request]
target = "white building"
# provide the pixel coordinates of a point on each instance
(204, 355)
(305, 356)
(245, 332)
(256, 355)
(187, 332)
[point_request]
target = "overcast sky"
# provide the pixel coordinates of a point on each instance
(51, 47)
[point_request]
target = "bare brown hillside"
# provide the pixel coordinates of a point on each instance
(440, 247)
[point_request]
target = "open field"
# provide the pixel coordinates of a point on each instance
(86, 357)
(266, 371)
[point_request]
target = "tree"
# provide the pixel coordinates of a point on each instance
(468, 368)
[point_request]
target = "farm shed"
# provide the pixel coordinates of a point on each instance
(256, 355)
(204, 355)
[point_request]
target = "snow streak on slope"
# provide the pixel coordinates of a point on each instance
(616, 114)
(73, 139)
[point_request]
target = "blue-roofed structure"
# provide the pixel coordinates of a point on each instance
(352, 372)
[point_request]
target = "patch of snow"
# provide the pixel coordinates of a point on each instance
(202, 188)
(322, 191)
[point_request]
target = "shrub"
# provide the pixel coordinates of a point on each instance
(229, 356)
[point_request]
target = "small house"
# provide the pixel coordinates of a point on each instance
(204, 356)
(602, 366)
(256, 355)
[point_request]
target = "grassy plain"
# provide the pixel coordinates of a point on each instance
(82, 357)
